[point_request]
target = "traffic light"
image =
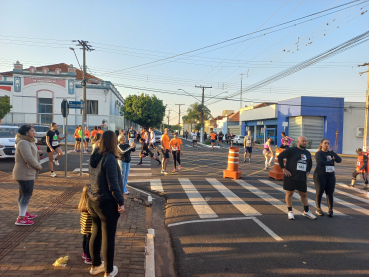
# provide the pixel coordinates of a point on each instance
(65, 108)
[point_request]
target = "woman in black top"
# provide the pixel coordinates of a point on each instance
(105, 203)
(125, 160)
(324, 177)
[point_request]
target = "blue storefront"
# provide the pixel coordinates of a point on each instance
(261, 129)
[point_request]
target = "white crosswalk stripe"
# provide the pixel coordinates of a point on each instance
(275, 202)
(296, 196)
(200, 205)
(241, 205)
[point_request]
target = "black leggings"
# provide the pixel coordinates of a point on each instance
(355, 173)
(86, 245)
(176, 158)
(105, 217)
(324, 183)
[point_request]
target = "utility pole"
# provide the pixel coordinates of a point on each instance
(365, 146)
(179, 107)
(202, 112)
(241, 93)
(85, 46)
(168, 117)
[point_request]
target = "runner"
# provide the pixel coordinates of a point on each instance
(212, 138)
(361, 167)
(176, 148)
(86, 139)
(165, 149)
(205, 136)
(194, 139)
(230, 138)
(76, 135)
(145, 151)
(52, 141)
(146, 136)
(324, 176)
(100, 130)
(285, 144)
(94, 132)
(248, 144)
(289, 140)
(268, 152)
(153, 141)
(296, 171)
(220, 138)
(132, 135)
(186, 135)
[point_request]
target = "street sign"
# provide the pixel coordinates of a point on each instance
(76, 104)
(215, 125)
(262, 130)
(285, 124)
(247, 128)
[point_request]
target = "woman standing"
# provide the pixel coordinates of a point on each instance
(105, 203)
(27, 164)
(284, 137)
(268, 152)
(125, 160)
(324, 177)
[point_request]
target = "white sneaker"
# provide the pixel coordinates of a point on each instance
(290, 215)
(98, 269)
(85, 152)
(53, 174)
(114, 272)
(162, 172)
(309, 215)
(56, 162)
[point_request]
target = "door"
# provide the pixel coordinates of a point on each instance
(271, 132)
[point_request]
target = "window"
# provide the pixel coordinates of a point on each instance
(45, 110)
(91, 107)
(359, 132)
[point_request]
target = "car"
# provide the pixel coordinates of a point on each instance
(158, 135)
(238, 139)
(41, 131)
(7, 141)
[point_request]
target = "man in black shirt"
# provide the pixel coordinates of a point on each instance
(145, 151)
(132, 135)
(52, 140)
(296, 171)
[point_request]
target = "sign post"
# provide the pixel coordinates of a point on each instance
(79, 105)
(285, 124)
(65, 112)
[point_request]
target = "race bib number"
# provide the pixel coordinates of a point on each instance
(329, 168)
(301, 167)
(249, 141)
(358, 163)
(55, 143)
(174, 148)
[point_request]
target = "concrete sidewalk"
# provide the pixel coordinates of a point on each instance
(32, 250)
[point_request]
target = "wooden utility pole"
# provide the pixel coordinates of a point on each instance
(179, 107)
(365, 144)
(241, 93)
(202, 111)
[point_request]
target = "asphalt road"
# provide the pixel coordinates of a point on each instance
(222, 227)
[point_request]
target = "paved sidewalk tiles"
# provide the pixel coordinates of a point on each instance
(31, 250)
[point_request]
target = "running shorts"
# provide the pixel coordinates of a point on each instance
(147, 153)
(165, 153)
(248, 149)
(266, 151)
(87, 139)
(355, 173)
(292, 185)
(194, 140)
(53, 147)
(212, 140)
(131, 140)
(220, 139)
(78, 139)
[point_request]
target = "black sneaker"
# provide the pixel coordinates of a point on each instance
(330, 213)
(244, 161)
(365, 188)
(319, 212)
(140, 164)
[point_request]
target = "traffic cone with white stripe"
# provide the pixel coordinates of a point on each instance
(277, 172)
(233, 161)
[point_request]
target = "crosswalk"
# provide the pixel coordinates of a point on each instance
(205, 208)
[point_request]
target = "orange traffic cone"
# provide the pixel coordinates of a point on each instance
(233, 161)
(277, 172)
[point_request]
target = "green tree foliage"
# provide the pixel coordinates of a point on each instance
(193, 115)
(144, 110)
(5, 106)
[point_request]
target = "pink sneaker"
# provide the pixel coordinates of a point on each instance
(179, 167)
(84, 256)
(30, 216)
(24, 221)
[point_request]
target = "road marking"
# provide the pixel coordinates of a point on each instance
(262, 225)
(297, 196)
(139, 190)
(350, 188)
(156, 185)
(140, 168)
(83, 170)
(263, 195)
(241, 205)
(139, 174)
(200, 205)
(84, 163)
(150, 256)
(44, 160)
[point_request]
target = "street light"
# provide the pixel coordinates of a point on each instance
(71, 48)
(189, 94)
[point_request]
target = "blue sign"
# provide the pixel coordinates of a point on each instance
(17, 84)
(76, 104)
(70, 86)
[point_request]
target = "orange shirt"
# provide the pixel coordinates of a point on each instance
(165, 140)
(213, 135)
(101, 131)
(176, 144)
(94, 132)
(76, 133)
(87, 134)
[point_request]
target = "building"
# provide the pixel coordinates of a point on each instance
(36, 94)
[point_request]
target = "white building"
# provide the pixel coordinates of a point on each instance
(36, 94)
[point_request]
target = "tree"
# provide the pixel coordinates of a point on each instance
(144, 110)
(195, 111)
(5, 106)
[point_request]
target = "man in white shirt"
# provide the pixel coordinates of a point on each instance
(153, 141)
(194, 139)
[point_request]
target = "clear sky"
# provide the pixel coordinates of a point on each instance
(127, 34)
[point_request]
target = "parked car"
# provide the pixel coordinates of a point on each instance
(238, 139)
(7, 141)
(158, 135)
(41, 131)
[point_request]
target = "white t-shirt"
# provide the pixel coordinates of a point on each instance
(194, 136)
(152, 137)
